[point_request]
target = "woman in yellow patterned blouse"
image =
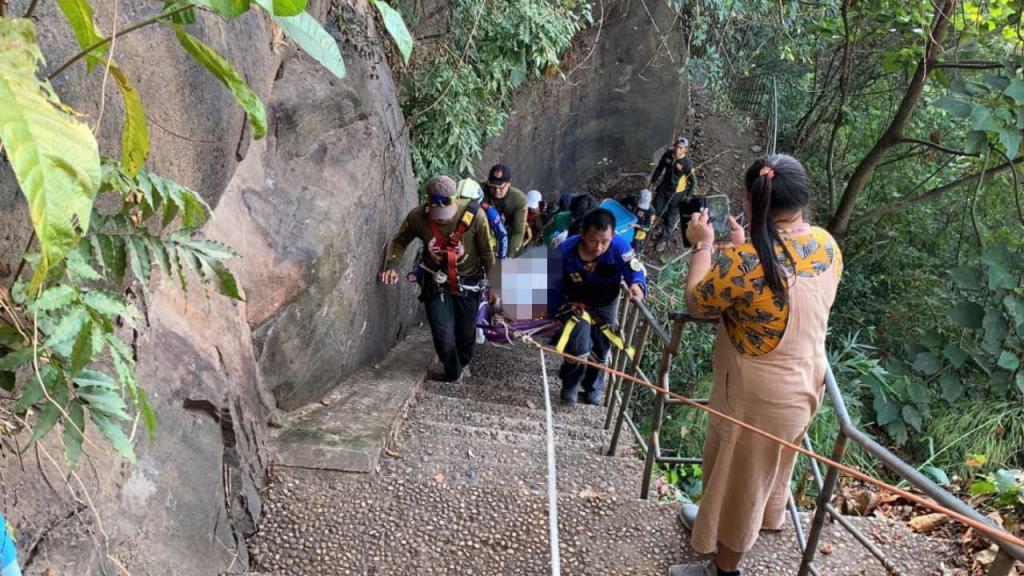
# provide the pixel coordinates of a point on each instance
(772, 294)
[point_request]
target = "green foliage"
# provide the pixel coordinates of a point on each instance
(80, 16)
(80, 364)
(54, 156)
(396, 28)
(309, 35)
(458, 100)
(223, 70)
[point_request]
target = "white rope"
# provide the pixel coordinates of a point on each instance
(556, 568)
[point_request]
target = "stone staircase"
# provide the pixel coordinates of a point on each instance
(461, 489)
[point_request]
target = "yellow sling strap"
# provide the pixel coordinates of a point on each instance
(681, 186)
(616, 340)
(610, 334)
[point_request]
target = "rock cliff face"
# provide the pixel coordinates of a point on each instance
(620, 100)
(309, 208)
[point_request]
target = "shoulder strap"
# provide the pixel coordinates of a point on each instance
(465, 222)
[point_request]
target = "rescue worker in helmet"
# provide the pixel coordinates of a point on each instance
(673, 182)
(535, 208)
(455, 258)
(584, 294)
(469, 189)
(510, 203)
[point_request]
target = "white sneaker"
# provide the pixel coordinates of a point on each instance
(705, 568)
(480, 338)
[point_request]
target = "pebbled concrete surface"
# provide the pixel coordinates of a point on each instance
(462, 491)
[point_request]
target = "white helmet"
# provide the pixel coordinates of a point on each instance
(533, 199)
(469, 189)
(645, 199)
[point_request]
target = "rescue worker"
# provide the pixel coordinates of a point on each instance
(674, 185)
(456, 256)
(469, 189)
(510, 203)
(584, 294)
(641, 208)
(535, 208)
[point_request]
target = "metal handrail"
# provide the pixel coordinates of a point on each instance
(639, 322)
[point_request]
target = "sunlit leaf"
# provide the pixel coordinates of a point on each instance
(80, 15)
(229, 76)
(396, 27)
(55, 157)
(134, 133)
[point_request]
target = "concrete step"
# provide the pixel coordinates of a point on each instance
(578, 416)
(349, 429)
(506, 395)
(575, 472)
(318, 522)
(571, 439)
(454, 415)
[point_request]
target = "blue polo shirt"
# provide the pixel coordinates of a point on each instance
(597, 287)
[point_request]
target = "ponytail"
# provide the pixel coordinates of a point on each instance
(776, 184)
(763, 233)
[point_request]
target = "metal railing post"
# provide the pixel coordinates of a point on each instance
(824, 499)
(654, 444)
(627, 395)
(1002, 565)
(628, 329)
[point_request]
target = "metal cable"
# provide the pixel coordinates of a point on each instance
(552, 471)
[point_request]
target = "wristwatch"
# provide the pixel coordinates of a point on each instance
(703, 246)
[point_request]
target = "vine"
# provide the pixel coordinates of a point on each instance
(460, 101)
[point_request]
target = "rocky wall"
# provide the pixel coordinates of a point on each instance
(309, 208)
(620, 98)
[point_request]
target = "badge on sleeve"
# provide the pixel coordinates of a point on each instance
(575, 277)
(636, 265)
(627, 255)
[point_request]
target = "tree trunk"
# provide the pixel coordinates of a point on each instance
(840, 223)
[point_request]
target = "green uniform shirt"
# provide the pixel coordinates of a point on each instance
(560, 223)
(513, 208)
(478, 256)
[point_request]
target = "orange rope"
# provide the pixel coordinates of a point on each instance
(979, 526)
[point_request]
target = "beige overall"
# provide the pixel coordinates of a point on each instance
(746, 476)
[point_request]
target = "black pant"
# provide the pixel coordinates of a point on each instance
(672, 207)
(452, 320)
(587, 339)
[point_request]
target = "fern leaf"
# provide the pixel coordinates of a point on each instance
(73, 431)
(49, 414)
(114, 435)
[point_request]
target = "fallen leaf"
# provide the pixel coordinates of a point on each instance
(325, 403)
(588, 492)
(927, 523)
(392, 453)
(996, 518)
(439, 478)
(826, 548)
(987, 556)
(976, 461)
(531, 405)
(879, 499)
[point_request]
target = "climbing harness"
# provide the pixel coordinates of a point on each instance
(583, 316)
(449, 246)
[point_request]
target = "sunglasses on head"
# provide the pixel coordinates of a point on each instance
(440, 200)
